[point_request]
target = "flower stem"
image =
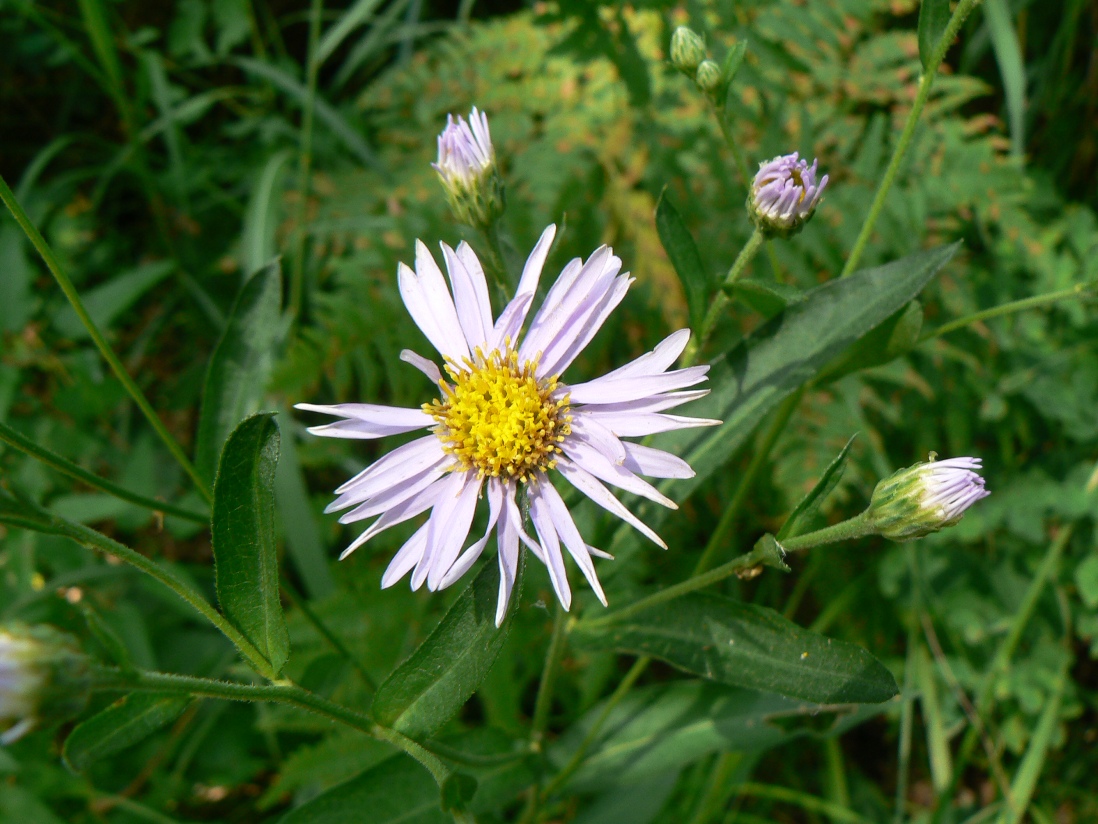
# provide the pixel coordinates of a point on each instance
(64, 465)
(856, 527)
(721, 299)
(544, 701)
(111, 678)
(964, 7)
(1078, 290)
(747, 480)
(47, 522)
(54, 265)
(497, 261)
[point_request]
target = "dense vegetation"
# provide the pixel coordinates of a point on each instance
(230, 186)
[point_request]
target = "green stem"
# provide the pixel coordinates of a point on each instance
(110, 678)
(24, 444)
(298, 601)
(497, 261)
(576, 761)
(721, 299)
(856, 527)
(1001, 662)
(91, 538)
(721, 113)
(747, 480)
(964, 7)
(759, 555)
(54, 265)
(297, 278)
(1078, 290)
(544, 701)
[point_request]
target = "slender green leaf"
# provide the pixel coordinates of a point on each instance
(241, 364)
(359, 13)
(683, 253)
(658, 728)
(1008, 54)
(791, 349)
(425, 691)
(257, 242)
(796, 522)
(326, 113)
(933, 19)
(107, 302)
(396, 790)
(121, 725)
(244, 548)
(746, 646)
(730, 66)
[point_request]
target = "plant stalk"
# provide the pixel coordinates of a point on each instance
(964, 8)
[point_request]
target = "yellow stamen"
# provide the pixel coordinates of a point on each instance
(497, 418)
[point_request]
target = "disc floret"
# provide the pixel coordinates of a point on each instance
(498, 418)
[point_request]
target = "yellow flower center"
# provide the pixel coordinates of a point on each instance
(498, 419)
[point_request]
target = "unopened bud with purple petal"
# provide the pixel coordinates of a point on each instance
(43, 678)
(784, 195)
(467, 168)
(925, 498)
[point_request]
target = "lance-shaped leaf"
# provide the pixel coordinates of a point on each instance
(396, 790)
(240, 365)
(427, 690)
(795, 523)
(683, 253)
(121, 725)
(746, 646)
(245, 552)
(933, 19)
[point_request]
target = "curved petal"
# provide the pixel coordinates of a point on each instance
(389, 497)
(428, 368)
(367, 420)
(451, 521)
(596, 463)
(469, 556)
(407, 557)
(637, 425)
(631, 388)
(542, 517)
(570, 535)
(398, 465)
(578, 331)
(397, 514)
(658, 360)
(589, 486)
(474, 311)
(656, 403)
(508, 530)
(655, 463)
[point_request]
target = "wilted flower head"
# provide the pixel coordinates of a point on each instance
(43, 676)
(504, 422)
(784, 195)
(925, 497)
(467, 168)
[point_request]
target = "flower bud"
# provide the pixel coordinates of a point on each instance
(467, 168)
(687, 50)
(708, 77)
(925, 497)
(784, 195)
(43, 678)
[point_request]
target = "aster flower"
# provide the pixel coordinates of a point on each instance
(42, 676)
(504, 421)
(925, 498)
(467, 168)
(784, 195)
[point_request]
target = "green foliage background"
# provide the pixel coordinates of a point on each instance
(163, 151)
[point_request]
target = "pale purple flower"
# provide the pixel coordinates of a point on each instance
(950, 487)
(43, 679)
(504, 420)
(464, 148)
(20, 684)
(926, 497)
(785, 193)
